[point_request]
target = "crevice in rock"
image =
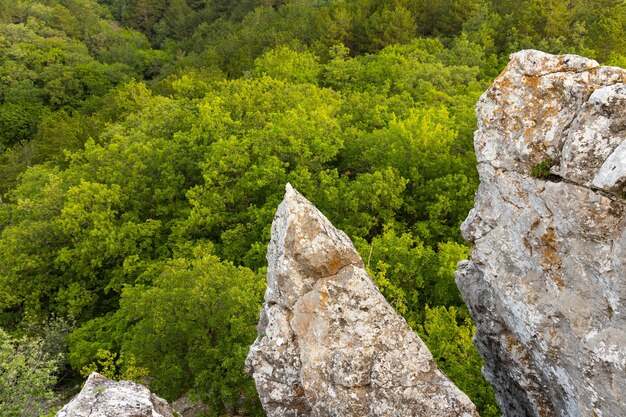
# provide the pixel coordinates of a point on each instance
(558, 179)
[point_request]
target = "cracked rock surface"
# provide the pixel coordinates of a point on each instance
(102, 397)
(546, 284)
(329, 344)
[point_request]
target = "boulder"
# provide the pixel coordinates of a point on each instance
(328, 342)
(102, 397)
(546, 280)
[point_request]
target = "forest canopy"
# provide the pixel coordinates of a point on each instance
(145, 145)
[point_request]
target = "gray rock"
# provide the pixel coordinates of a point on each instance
(186, 407)
(102, 397)
(546, 284)
(329, 344)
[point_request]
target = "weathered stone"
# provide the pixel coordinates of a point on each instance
(546, 284)
(102, 397)
(329, 344)
(186, 407)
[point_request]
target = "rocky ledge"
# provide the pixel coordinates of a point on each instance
(546, 284)
(329, 344)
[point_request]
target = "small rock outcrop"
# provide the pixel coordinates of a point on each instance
(187, 407)
(102, 397)
(329, 344)
(546, 284)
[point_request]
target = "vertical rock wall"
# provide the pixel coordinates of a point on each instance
(546, 284)
(329, 344)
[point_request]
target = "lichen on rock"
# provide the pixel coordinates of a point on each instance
(329, 344)
(102, 397)
(546, 284)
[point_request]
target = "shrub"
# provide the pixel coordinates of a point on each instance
(541, 170)
(27, 375)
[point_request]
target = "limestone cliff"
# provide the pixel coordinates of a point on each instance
(102, 397)
(329, 344)
(546, 284)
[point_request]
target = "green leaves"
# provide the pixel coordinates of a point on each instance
(283, 63)
(118, 162)
(151, 228)
(193, 327)
(53, 63)
(448, 334)
(190, 330)
(27, 376)
(397, 264)
(274, 132)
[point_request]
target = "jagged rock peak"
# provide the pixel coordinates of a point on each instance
(102, 397)
(329, 344)
(546, 284)
(565, 110)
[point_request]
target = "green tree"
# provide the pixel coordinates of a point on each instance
(605, 32)
(109, 365)
(389, 26)
(398, 264)
(193, 327)
(273, 132)
(27, 376)
(449, 338)
(58, 58)
(286, 64)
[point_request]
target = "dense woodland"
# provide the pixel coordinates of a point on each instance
(145, 145)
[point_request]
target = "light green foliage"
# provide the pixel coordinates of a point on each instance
(193, 327)
(447, 201)
(101, 334)
(283, 63)
(448, 334)
(208, 163)
(98, 224)
(107, 364)
(398, 265)
(54, 57)
(189, 331)
(411, 275)
(363, 205)
(67, 234)
(273, 132)
(125, 155)
(28, 243)
(27, 376)
(440, 289)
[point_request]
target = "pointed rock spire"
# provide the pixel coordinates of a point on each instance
(329, 344)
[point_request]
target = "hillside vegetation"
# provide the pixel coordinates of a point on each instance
(145, 145)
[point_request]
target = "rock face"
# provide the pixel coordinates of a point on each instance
(101, 397)
(329, 344)
(546, 284)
